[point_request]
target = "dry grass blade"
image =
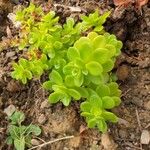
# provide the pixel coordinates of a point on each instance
(50, 142)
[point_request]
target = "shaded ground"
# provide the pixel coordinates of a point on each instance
(133, 69)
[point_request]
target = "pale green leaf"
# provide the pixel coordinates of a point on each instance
(74, 93)
(108, 65)
(47, 85)
(102, 126)
(108, 102)
(99, 42)
(103, 90)
(19, 143)
(34, 129)
(94, 68)
(56, 77)
(85, 106)
(92, 123)
(66, 100)
(17, 117)
(108, 116)
(55, 97)
(100, 55)
(117, 100)
(92, 35)
(72, 53)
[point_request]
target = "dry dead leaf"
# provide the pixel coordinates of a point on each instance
(140, 3)
(8, 31)
(121, 2)
(82, 129)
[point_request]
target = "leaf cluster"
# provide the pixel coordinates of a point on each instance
(26, 69)
(79, 66)
(20, 135)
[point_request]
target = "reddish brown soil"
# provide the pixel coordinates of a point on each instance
(133, 69)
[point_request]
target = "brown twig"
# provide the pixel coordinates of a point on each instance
(138, 119)
(139, 124)
(132, 146)
(50, 142)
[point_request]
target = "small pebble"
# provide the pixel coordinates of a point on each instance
(10, 54)
(9, 110)
(107, 142)
(145, 137)
(35, 142)
(123, 122)
(42, 119)
(45, 104)
(122, 72)
(147, 105)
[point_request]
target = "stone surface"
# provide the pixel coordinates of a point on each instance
(10, 110)
(107, 142)
(45, 104)
(42, 119)
(10, 54)
(35, 142)
(145, 137)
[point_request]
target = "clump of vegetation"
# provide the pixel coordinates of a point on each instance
(79, 66)
(20, 135)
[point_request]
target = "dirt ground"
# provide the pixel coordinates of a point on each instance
(133, 70)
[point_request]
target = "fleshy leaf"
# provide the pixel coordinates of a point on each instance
(66, 100)
(114, 90)
(85, 107)
(47, 85)
(101, 55)
(108, 102)
(56, 77)
(102, 126)
(92, 123)
(103, 90)
(117, 100)
(92, 35)
(84, 47)
(75, 94)
(108, 65)
(108, 116)
(55, 97)
(72, 53)
(99, 42)
(94, 68)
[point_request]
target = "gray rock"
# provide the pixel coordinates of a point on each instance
(9, 110)
(145, 137)
(42, 119)
(45, 104)
(107, 142)
(35, 142)
(10, 54)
